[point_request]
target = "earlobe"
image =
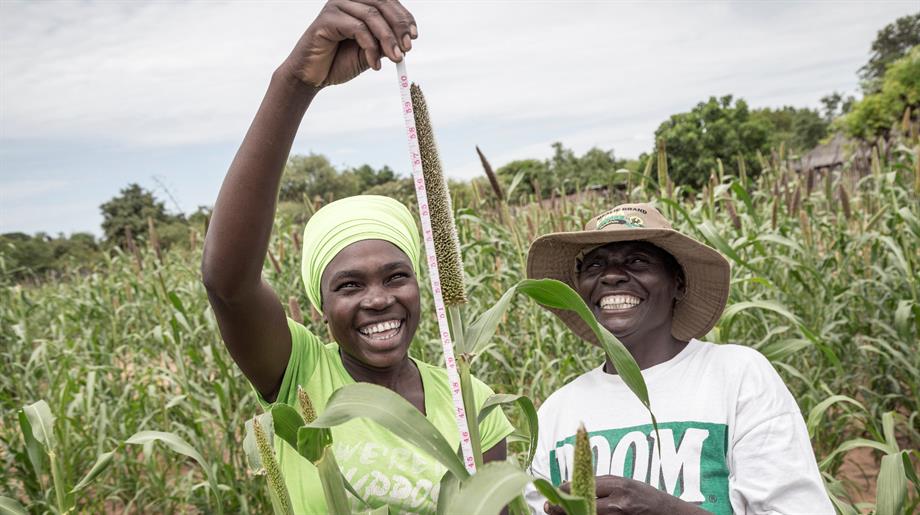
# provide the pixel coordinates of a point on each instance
(681, 289)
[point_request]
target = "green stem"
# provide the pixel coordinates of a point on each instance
(518, 506)
(59, 493)
(466, 382)
(469, 406)
(456, 327)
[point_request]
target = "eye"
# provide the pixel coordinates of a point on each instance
(346, 285)
(637, 261)
(398, 276)
(590, 266)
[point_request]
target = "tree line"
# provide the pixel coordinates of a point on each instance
(720, 131)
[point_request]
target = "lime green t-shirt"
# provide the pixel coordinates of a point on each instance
(383, 468)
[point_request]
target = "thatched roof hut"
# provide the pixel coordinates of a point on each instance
(826, 155)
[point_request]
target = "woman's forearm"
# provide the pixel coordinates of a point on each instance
(241, 224)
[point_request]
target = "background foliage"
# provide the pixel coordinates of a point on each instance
(118, 338)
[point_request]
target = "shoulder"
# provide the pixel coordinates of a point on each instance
(300, 334)
(730, 353)
(757, 390)
(733, 361)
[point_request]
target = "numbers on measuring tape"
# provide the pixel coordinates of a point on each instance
(453, 376)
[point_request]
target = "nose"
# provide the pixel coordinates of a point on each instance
(614, 273)
(377, 299)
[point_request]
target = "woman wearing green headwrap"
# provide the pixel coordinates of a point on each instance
(360, 270)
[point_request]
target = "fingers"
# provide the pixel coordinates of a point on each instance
(399, 19)
(606, 485)
(387, 22)
(378, 27)
(342, 26)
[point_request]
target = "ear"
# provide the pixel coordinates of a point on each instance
(681, 290)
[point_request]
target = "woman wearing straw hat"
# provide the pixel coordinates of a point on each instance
(360, 268)
(731, 436)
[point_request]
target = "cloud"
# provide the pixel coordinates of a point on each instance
(158, 79)
(165, 73)
(23, 189)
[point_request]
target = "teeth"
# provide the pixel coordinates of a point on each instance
(380, 327)
(619, 301)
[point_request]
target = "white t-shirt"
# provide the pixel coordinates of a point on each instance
(732, 436)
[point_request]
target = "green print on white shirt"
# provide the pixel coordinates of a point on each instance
(691, 465)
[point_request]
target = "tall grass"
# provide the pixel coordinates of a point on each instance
(824, 283)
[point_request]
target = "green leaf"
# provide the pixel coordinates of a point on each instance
(766, 305)
(571, 504)
(892, 485)
(11, 507)
(42, 423)
(171, 440)
(36, 452)
(888, 431)
(902, 319)
(387, 408)
(450, 488)
(311, 442)
(481, 331)
(711, 235)
(177, 303)
(817, 413)
(530, 414)
(493, 486)
(909, 467)
(780, 350)
(287, 422)
(250, 447)
(179, 445)
(333, 483)
(102, 463)
(557, 294)
(855, 443)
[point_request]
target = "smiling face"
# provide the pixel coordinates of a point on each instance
(631, 288)
(371, 302)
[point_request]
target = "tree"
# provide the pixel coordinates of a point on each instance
(876, 113)
(313, 176)
(130, 210)
(564, 172)
(719, 128)
(799, 130)
(27, 256)
(836, 105)
(891, 43)
(368, 177)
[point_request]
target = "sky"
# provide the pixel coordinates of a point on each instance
(97, 95)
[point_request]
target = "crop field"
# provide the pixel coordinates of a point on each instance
(825, 283)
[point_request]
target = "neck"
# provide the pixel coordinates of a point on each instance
(649, 349)
(393, 377)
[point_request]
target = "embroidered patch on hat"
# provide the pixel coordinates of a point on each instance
(631, 221)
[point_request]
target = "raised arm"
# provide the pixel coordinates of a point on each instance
(347, 38)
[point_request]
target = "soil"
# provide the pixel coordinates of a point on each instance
(859, 472)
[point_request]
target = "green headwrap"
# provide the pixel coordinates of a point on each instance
(349, 220)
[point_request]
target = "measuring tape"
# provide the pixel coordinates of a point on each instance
(415, 157)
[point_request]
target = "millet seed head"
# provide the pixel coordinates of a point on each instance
(583, 469)
(446, 243)
(306, 405)
(272, 470)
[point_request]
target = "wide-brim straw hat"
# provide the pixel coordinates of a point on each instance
(706, 271)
